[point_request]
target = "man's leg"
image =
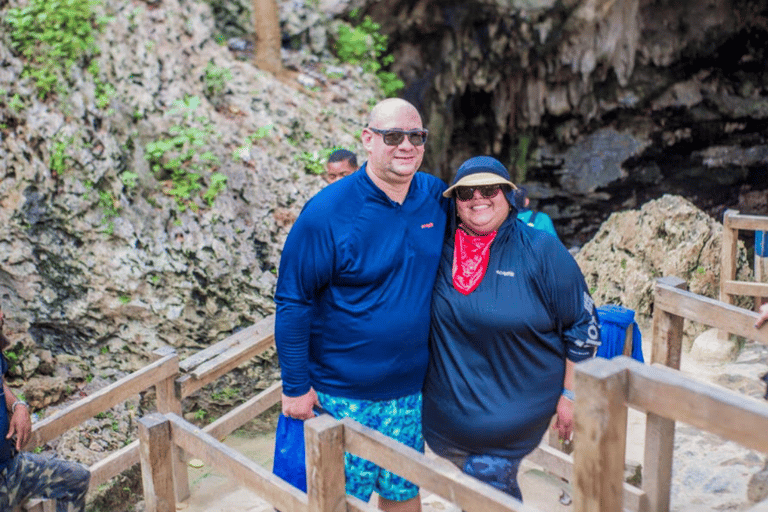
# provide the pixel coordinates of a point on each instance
(411, 505)
(38, 476)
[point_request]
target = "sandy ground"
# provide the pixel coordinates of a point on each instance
(708, 474)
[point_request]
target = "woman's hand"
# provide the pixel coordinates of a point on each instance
(564, 422)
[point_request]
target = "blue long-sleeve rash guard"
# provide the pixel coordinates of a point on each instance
(497, 360)
(354, 289)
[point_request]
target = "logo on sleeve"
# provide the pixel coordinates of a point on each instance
(428, 225)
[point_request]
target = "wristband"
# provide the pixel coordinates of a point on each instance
(19, 402)
(567, 393)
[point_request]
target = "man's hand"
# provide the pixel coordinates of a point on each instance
(300, 407)
(564, 423)
(763, 315)
(21, 426)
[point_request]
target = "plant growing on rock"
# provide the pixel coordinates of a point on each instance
(365, 45)
(182, 159)
(53, 36)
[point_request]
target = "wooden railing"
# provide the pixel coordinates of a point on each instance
(733, 222)
(605, 388)
(326, 441)
(672, 303)
(172, 386)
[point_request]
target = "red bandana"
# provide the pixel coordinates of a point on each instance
(470, 260)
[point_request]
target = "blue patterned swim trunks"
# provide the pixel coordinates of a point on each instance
(399, 419)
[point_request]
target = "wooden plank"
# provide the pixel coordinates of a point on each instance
(61, 421)
(727, 261)
(761, 271)
(745, 287)
(279, 493)
(711, 312)
(600, 418)
(657, 461)
(215, 368)
(114, 464)
(167, 401)
(746, 222)
(156, 463)
(245, 412)
(673, 395)
(232, 358)
(446, 481)
(324, 449)
(250, 334)
(667, 336)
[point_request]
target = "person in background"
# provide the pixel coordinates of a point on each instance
(340, 163)
(763, 316)
(538, 220)
(353, 297)
(511, 316)
(25, 475)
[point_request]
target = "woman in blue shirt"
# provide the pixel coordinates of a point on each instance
(511, 315)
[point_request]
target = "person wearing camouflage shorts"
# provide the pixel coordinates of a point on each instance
(26, 475)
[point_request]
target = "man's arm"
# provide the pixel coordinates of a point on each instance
(21, 421)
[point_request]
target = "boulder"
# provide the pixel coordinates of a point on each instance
(665, 237)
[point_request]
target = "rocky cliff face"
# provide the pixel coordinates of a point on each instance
(99, 262)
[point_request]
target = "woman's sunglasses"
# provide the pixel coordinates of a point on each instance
(395, 137)
(467, 193)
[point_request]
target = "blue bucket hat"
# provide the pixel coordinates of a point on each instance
(482, 170)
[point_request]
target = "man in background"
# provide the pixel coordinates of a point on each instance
(340, 163)
(353, 297)
(538, 220)
(25, 475)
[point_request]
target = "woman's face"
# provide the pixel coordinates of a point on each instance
(483, 214)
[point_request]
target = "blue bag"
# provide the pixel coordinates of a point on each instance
(614, 322)
(289, 463)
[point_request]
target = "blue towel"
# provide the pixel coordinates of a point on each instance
(614, 322)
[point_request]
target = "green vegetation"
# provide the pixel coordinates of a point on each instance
(314, 163)
(182, 157)
(58, 161)
(53, 36)
(111, 207)
(215, 80)
(364, 45)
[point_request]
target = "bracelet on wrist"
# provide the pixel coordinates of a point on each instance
(567, 393)
(19, 402)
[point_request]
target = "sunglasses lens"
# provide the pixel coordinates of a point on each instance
(465, 193)
(417, 138)
(489, 191)
(393, 138)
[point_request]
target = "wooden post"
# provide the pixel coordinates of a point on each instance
(727, 261)
(169, 401)
(324, 449)
(659, 431)
(600, 417)
(156, 463)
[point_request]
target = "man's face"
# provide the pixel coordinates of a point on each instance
(334, 171)
(394, 164)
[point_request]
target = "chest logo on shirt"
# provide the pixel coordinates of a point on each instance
(428, 225)
(505, 273)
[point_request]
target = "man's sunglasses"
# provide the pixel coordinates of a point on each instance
(467, 193)
(395, 137)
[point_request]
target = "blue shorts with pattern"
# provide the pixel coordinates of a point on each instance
(399, 419)
(30, 475)
(500, 472)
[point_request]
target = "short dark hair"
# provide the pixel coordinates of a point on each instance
(343, 154)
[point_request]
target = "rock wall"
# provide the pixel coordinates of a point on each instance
(665, 237)
(98, 262)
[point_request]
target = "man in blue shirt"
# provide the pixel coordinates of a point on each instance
(538, 220)
(24, 475)
(353, 296)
